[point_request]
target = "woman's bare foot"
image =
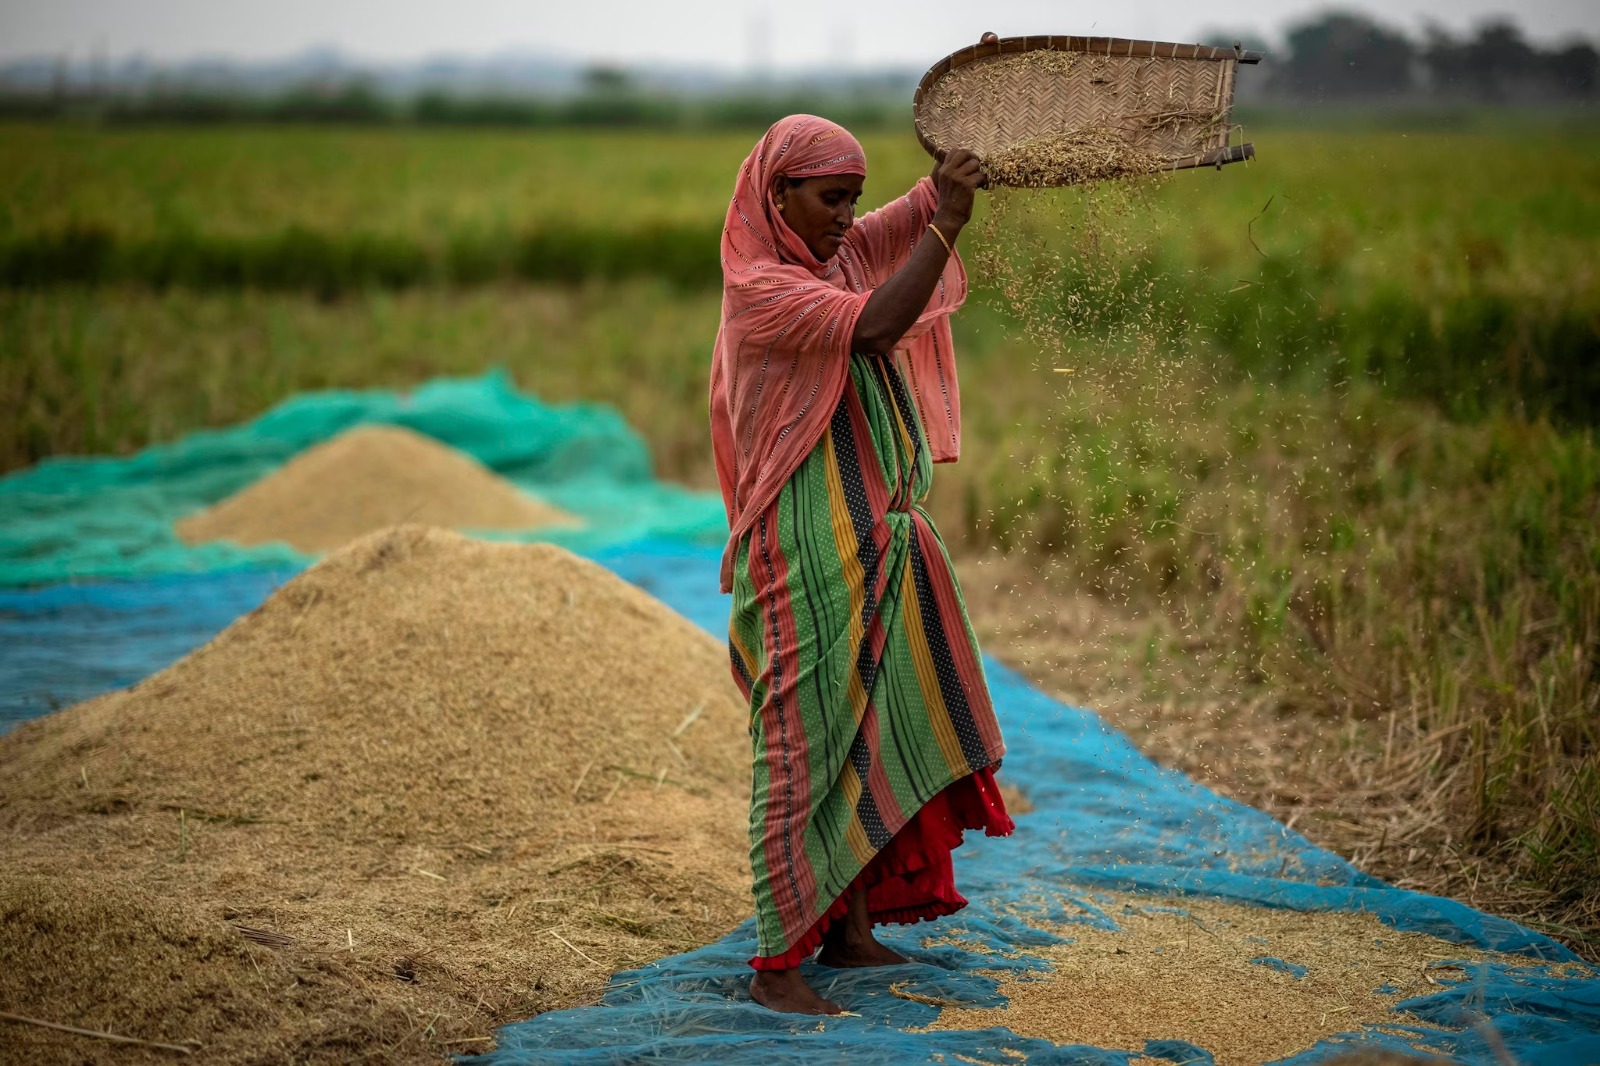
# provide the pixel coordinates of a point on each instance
(786, 992)
(847, 954)
(850, 943)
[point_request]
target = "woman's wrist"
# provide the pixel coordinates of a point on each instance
(949, 225)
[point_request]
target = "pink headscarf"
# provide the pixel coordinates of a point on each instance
(782, 355)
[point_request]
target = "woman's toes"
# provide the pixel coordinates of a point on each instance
(787, 993)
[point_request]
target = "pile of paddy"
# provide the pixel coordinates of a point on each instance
(431, 786)
(363, 480)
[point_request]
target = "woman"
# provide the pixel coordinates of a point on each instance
(833, 390)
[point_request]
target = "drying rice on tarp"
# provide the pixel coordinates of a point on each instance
(1247, 984)
(431, 786)
(363, 480)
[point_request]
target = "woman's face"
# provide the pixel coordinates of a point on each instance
(819, 210)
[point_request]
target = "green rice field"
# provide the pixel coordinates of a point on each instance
(1324, 452)
(1458, 266)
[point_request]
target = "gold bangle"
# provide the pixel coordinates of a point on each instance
(942, 239)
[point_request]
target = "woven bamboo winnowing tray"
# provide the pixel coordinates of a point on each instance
(1169, 100)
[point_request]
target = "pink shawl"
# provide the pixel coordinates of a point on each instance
(782, 354)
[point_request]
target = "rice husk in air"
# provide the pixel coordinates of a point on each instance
(363, 480)
(1223, 977)
(431, 786)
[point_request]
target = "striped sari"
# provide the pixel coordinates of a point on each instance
(873, 734)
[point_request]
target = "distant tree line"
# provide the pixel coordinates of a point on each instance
(1345, 56)
(1335, 57)
(607, 98)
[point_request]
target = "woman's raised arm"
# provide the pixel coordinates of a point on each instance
(896, 304)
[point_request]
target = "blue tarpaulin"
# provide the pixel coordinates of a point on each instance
(1105, 818)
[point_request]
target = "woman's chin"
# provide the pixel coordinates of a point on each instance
(827, 248)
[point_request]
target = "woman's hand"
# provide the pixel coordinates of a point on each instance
(958, 176)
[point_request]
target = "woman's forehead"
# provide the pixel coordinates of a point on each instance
(840, 182)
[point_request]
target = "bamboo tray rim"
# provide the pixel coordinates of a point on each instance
(1116, 47)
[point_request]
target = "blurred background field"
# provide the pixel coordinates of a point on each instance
(1309, 505)
(1454, 265)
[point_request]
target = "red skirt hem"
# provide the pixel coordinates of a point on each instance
(912, 878)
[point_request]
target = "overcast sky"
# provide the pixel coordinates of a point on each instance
(725, 33)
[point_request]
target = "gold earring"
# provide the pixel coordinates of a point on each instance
(780, 206)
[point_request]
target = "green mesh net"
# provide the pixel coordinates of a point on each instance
(72, 519)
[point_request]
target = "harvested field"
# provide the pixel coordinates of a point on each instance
(431, 786)
(361, 481)
(1248, 984)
